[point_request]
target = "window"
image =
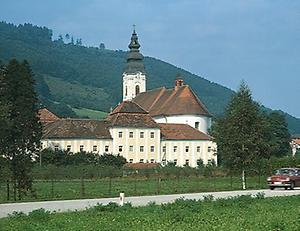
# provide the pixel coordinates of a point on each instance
(137, 89)
(141, 134)
(141, 160)
(175, 162)
(141, 148)
(106, 149)
(130, 134)
(41, 144)
(120, 148)
(198, 149)
(130, 148)
(56, 148)
(130, 160)
(95, 148)
(187, 162)
(197, 125)
(68, 148)
(186, 148)
(120, 134)
(164, 149)
(126, 91)
(151, 148)
(152, 161)
(209, 148)
(81, 148)
(175, 149)
(152, 135)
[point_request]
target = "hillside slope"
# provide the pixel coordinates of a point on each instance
(73, 76)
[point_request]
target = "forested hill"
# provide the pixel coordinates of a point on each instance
(72, 78)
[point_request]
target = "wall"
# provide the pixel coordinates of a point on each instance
(130, 81)
(204, 122)
(136, 155)
(75, 144)
(192, 155)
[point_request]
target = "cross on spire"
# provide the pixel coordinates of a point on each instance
(134, 27)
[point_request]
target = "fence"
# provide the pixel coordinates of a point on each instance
(58, 189)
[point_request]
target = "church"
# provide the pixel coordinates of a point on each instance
(150, 126)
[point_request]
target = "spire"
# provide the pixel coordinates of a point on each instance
(134, 58)
(134, 43)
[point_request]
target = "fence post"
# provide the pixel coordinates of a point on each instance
(15, 190)
(158, 184)
(82, 192)
(52, 188)
(109, 186)
(7, 188)
(135, 187)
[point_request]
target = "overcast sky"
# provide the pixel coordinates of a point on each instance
(224, 41)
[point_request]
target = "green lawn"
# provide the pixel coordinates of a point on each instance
(105, 187)
(241, 213)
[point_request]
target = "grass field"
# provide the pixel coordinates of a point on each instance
(92, 114)
(105, 187)
(241, 213)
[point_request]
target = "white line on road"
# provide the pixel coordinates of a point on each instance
(72, 205)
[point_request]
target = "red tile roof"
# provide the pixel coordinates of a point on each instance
(77, 128)
(129, 114)
(128, 107)
(47, 116)
(181, 132)
(180, 100)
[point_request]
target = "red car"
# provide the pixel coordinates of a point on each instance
(285, 178)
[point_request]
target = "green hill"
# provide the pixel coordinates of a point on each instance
(74, 80)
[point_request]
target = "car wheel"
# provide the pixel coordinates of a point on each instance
(285, 188)
(292, 185)
(271, 187)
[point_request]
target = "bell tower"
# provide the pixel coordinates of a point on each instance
(134, 75)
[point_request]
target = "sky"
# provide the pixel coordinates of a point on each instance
(224, 41)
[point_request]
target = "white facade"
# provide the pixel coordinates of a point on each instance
(137, 144)
(202, 123)
(76, 145)
(133, 84)
(188, 152)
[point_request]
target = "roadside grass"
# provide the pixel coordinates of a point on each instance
(138, 186)
(239, 213)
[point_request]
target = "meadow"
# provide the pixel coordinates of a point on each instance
(240, 213)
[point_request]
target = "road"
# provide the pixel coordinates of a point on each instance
(72, 205)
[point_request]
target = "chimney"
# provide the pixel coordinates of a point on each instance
(178, 83)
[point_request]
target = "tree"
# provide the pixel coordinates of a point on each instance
(241, 134)
(102, 46)
(111, 160)
(22, 138)
(67, 36)
(279, 137)
(79, 42)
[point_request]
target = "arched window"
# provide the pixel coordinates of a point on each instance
(137, 89)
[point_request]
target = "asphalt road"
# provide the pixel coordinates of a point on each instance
(72, 205)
